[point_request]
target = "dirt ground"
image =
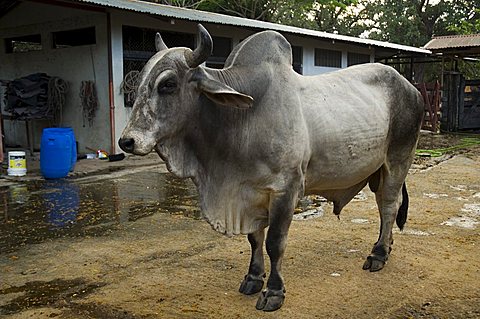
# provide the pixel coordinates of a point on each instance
(172, 266)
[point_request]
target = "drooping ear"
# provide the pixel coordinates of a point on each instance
(159, 44)
(223, 94)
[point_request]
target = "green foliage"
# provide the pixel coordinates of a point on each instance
(252, 9)
(337, 16)
(294, 13)
(414, 22)
(288, 12)
(409, 22)
(467, 24)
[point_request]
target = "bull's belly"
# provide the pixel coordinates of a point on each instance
(346, 147)
(342, 168)
(317, 183)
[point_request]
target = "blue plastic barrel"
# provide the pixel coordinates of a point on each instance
(74, 147)
(56, 152)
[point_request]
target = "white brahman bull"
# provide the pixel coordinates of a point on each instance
(255, 136)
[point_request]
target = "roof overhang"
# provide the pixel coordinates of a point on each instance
(463, 52)
(388, 49)
(209, 17)
(463, 46)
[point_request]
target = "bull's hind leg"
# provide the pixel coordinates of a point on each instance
(253, 281)
(389, 199)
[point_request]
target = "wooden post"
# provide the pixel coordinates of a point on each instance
(1, 138)
(450, 110)
(29, 129)
(412, 80)
(436, 105)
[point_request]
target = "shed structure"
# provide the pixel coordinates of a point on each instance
(455, 45)
(461, 96)
(99, 43)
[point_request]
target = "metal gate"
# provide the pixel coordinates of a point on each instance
(469, 114)
(461, 104)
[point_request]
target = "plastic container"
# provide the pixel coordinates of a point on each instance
(57, 150)
(17, 163)
(74, 147)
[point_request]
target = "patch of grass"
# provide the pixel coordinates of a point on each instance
(465, 142)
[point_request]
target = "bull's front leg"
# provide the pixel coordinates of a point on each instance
(253, 281)
(280, 217)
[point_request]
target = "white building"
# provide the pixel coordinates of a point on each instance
(102, 40)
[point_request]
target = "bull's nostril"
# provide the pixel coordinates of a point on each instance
(126, 144)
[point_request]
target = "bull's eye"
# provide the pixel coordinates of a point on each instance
(166, 87)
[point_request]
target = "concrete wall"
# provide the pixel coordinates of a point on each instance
(90, 62)
(309, 45)
(73, 64)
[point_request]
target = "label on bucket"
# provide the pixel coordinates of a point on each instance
(17, 162)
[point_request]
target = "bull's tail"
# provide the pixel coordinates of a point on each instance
(403, 210)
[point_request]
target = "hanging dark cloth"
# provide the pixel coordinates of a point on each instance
(27, 98)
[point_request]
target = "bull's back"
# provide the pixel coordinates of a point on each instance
(349, 116)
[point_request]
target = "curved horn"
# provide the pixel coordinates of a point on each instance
(159, 44)
(203, 50)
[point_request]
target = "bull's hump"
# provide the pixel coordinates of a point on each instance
(266, 46)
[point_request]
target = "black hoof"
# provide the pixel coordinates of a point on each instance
(270, 300)
(251, 285)
(374, 263)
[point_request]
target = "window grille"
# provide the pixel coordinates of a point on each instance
(357, 58)
(328, 58)
(139, 47)
(221, 50)
(24, 43)
(297, 55)
(73, 38)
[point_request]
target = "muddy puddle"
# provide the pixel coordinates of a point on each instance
(37, 211)
(40, 293)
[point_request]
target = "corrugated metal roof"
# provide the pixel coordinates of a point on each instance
(209, 17)
(454, 41)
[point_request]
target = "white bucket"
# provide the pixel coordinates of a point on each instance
(17, 163)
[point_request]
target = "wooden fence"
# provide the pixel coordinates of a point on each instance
(431, 93)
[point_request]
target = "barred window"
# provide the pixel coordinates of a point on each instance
(138, 47)
(221, 49)
(297, 55)
(141, 41)
(328, 58)
(73, 38)
(24, 43)
(357, 58)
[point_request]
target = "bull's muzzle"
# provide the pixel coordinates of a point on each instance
(127, 144)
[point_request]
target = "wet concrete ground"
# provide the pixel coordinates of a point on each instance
(130, 244)
(37, 211)
(40, 210)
